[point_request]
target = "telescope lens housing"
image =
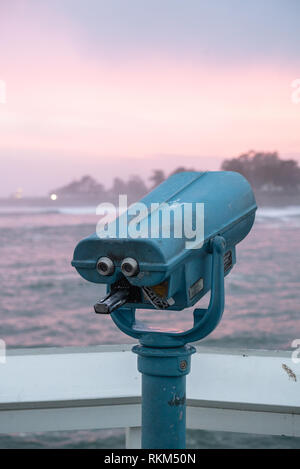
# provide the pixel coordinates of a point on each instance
(105, 266)
(129, 267)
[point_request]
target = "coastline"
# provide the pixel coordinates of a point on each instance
(263, 199)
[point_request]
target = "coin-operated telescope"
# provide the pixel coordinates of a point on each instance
(165, 253)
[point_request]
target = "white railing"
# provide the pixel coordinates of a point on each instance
(78, 388)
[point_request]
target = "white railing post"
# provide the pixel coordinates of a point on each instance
(133, 438)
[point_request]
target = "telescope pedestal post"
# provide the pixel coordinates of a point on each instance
(164, 395)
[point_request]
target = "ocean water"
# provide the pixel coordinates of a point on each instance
(44, 302)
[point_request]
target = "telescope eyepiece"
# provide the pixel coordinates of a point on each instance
(129, 267)
(105, 266)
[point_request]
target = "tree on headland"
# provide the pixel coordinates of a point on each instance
(134, 188)
(156, 178)
(265, 170)
(119, 186)
(84, 187)
(181, 169)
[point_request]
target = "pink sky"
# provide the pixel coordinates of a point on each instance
(69, 112)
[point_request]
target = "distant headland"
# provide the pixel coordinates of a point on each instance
(276, 182)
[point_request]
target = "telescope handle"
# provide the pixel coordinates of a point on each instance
(205, 320)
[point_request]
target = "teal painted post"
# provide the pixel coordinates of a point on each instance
(164, 373)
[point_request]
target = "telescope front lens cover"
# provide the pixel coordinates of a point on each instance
(129, 267)
(105, 266)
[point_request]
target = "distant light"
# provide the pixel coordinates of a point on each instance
(53, 196)
(18, 194)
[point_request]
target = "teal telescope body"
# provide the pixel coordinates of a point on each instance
(165, 253)
(166, 261)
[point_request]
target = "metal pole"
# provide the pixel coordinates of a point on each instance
(164, 395)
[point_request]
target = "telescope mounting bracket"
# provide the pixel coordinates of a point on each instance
(205, 320)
